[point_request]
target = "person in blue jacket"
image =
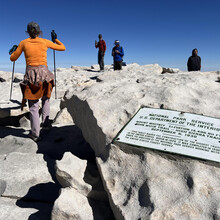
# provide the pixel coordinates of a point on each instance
(117, 53)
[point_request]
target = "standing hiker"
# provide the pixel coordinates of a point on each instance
(38, 80)
(117, 53)
(194, 61)
(102, 48)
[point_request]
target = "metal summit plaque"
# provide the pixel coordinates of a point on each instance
(172, 131)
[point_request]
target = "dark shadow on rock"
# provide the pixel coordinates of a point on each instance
(17, 80)
(2, 186)
(93, 77)
(97, 198)
(59, 140)
(93, 178)
(144, 197)
(44, 209)
(54, 144)
(189, 182)
(2, 80)
(16, 101)
(6, 131)
(10, 121)
(129, 193)
(43, 192)
(105, 154)
(13, 120)
(89, 70)
(101, 210)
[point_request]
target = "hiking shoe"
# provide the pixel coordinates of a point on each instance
(34, 138)
(47, 127)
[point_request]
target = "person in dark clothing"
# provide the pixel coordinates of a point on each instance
(117, 53)
(102, 48)
(194, 61)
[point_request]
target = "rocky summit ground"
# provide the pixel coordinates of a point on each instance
(77, 172)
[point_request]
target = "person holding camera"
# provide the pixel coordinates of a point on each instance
(38, 80)
(117, 53)
(102, 48)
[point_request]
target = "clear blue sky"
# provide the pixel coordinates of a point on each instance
(150, 31)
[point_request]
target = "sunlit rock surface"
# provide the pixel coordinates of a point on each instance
(62, 177)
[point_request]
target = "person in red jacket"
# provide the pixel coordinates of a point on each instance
(38, 80)
(102, 48)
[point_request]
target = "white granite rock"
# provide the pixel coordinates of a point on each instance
(2, 186)
(72, 205)
(8, 76)
(145, 184)
(16, 140)
(66, 78)
(141, 184)
(107, 106)
(81, 175)
(148, 184)
(21, 172)
(70, 172)
(12, 209)
(63, 117)
(83, 196)
(170, 70)
(109, 102)
(10, 107)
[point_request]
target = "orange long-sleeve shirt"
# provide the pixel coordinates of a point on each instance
(35, 50)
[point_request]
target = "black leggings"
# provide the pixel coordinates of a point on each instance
(117, 65)
(101, 59)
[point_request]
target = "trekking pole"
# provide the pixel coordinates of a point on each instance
(54, 36)
(55, 74)
(13, 69)
(12, 78)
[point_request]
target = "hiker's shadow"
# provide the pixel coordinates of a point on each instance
(54, 144)
(59, 140)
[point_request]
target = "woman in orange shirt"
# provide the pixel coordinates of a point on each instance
(38, 80)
